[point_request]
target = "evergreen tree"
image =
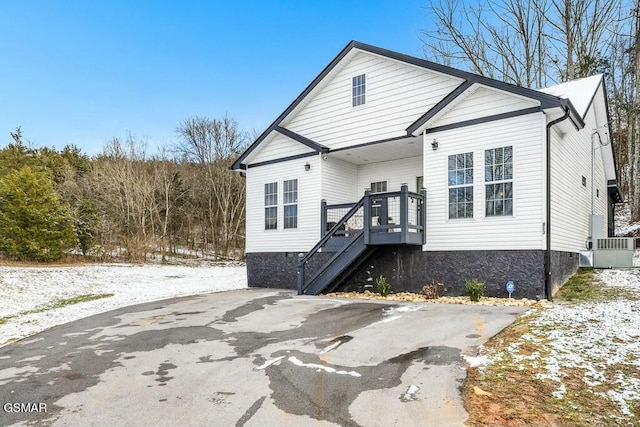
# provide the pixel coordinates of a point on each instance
(34, 224)
(87, 222)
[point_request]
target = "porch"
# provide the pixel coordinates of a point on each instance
(352, 232)
(390, 218)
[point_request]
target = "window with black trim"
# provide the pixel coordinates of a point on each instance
(358, 87)
(271, 206)
(290, 194)
(498, 174)
(460, 180)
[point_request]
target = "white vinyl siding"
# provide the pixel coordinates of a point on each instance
(307, 233)
(394, 172)
(523, 230)
(570, 200)
(483, 102)
(397, 95)
(339, 181)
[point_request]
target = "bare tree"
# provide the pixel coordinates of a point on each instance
(528, 43)
(212, 144)
(125, 192)
(170, 196)
(578, 31)
(624, 81)
(501, 40)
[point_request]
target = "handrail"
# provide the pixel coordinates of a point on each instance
(333, 229)
(338, 254)
(325, 238)
(340, 205)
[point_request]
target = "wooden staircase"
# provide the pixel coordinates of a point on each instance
(392, 218)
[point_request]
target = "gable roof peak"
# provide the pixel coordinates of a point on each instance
(546, 100)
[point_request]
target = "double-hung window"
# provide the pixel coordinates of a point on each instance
(271, 206)
(358, 90)
(460, 178)
(290, 193)
(379, 187)
(498, 176)
(376, 207)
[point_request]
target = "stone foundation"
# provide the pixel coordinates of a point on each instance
(408, 268)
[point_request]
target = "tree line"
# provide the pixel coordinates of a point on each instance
(126, 202)
(538, 43)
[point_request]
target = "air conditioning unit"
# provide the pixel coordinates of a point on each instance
(614, 252)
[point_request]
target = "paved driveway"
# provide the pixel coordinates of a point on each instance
(250, 358)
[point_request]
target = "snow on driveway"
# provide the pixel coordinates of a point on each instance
(24, 290)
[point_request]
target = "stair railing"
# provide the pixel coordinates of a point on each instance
(336, 239)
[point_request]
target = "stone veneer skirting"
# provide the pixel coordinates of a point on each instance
(409, 268)
(272, 270)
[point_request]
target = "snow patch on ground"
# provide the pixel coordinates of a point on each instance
(600, 339)
(410, 394)
(29, 289)
(476, 361)
(622, 222)
(318, 367)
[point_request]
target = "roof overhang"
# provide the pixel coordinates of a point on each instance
(380, 151)
(614, 191)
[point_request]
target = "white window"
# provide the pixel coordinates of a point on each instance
(460, 180)
(379, 187)
(376, 207)
(271, 206)
(498, 171)
(358, 86)
(290, 192)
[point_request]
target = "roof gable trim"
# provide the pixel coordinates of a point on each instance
(318, 148)
(442, 104)
(486, 119)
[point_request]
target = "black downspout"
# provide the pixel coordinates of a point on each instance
(547, 256)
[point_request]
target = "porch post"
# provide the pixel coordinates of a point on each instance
(423, 215)
(404, 212)
(367, 216)
(323, 218)
(300, 277)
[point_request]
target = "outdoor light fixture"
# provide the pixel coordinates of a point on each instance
(434, 145)
(307, 167)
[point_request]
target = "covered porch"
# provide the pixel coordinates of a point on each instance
(389, 218)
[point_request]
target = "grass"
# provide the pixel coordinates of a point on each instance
(60, 303)
(585, 287)
(78, 299)
(517, 396)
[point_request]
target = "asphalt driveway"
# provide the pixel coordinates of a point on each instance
(249, 358)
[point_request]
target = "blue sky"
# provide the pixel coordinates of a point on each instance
(83, 72)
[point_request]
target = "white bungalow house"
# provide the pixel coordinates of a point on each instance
(389, 164)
